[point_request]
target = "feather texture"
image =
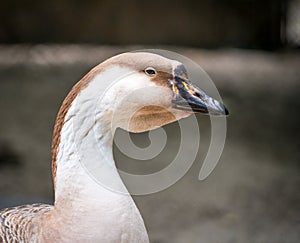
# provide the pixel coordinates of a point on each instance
(18, 224)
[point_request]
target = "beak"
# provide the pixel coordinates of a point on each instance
(187, 96)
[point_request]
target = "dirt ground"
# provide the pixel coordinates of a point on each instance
(251, 196)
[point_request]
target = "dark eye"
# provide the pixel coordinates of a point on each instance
(150, 71)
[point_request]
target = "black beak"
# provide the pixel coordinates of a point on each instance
(187, 96)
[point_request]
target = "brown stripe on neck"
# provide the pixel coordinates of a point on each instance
(63, 111)
(116, 60)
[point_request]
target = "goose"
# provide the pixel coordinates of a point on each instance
(85, 210)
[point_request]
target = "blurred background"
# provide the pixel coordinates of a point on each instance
(250, 49)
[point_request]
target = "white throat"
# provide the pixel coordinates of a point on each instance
(87, 178)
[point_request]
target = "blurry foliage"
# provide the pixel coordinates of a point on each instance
(207, 23)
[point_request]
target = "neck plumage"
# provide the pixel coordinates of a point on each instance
(87, 183)
(84, 157)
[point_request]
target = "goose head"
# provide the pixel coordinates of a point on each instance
(136, 91)
(152, 91)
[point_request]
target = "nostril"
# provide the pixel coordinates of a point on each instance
(197, 94)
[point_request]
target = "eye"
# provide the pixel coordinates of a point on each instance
(150, 71)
